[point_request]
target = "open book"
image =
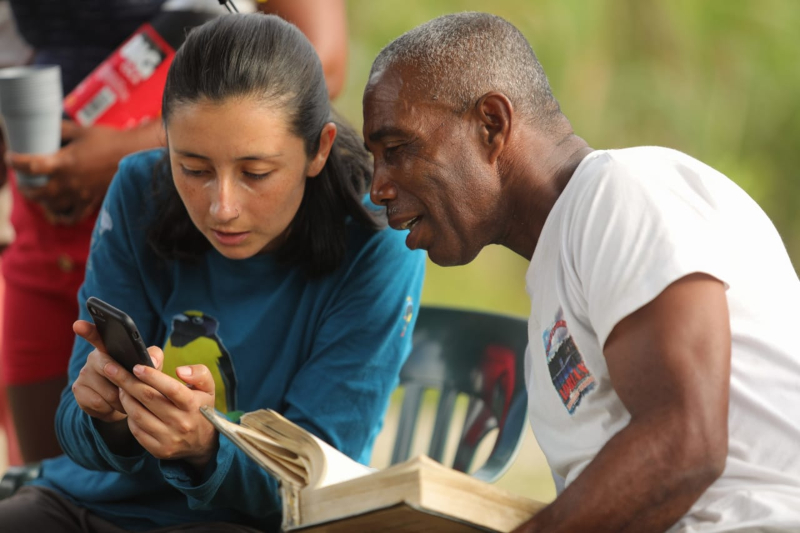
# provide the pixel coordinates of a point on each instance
(324, 490)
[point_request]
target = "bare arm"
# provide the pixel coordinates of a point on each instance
(3, 167)
(669, 362)
(324, 22)
(81, 171)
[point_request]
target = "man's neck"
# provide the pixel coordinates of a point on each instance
(534, 180)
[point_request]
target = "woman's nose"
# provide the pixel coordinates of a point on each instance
(224, 207)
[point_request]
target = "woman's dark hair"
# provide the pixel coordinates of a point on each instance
(266, 58)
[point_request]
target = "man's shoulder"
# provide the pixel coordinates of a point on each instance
(634, 160)
(610, 173)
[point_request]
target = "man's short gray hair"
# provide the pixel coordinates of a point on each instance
(460, 57)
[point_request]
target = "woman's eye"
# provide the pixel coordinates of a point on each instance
(256, 175)
(192, 171)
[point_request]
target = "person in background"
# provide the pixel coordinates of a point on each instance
(662, 364)
(45, 264)
(13, 51)
(324, 22)
(248, 252)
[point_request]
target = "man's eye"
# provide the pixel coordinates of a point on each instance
(391, 151)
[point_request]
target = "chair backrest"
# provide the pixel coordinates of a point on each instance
(477, 354)
(16, 476)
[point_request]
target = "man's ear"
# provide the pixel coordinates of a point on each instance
(326, 138)
(495, 113)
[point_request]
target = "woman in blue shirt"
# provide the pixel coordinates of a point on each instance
(248, 252)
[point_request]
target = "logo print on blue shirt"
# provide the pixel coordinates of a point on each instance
(195, 339)
(408, 314)
(571, 379)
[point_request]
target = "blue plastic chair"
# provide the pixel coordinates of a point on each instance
(15, 477)
(477, 354)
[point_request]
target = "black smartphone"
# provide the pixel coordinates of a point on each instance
(119, 334)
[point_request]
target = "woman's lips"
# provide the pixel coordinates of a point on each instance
(227, 238)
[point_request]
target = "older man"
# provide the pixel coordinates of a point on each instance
(663, 367)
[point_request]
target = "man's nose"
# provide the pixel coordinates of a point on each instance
(383, 189)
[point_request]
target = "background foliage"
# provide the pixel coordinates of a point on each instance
(718, 79)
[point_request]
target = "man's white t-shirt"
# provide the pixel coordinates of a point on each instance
(628, 224)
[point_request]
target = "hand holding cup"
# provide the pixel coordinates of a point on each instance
(31, 107)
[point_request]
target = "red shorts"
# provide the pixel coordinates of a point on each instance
(37, 334)
(43, 270)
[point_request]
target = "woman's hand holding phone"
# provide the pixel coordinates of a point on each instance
(162, 413)
(94, 392)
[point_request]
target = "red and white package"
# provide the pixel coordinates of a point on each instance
(125, 89)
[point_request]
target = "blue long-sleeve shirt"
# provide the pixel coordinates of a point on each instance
(324, 352)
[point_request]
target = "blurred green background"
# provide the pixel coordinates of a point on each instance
(717, 79)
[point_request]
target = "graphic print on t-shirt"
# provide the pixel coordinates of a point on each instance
(568, 371)
(194, 340)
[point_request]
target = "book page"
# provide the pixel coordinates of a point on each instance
(339, 467)
(268, 454)
(285, 450)
(289, 460)
(325, 464)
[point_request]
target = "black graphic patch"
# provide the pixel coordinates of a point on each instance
(568, 371)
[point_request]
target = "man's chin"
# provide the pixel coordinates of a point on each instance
(450, 258)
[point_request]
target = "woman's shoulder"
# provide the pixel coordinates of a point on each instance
(131, 193)
(133, 182)
(379, 264)
(139, 166)
(382, 245)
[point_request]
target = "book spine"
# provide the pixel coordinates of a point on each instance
(290, 495)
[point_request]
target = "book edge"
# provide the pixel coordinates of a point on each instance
(417, 507)
(422, 475)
